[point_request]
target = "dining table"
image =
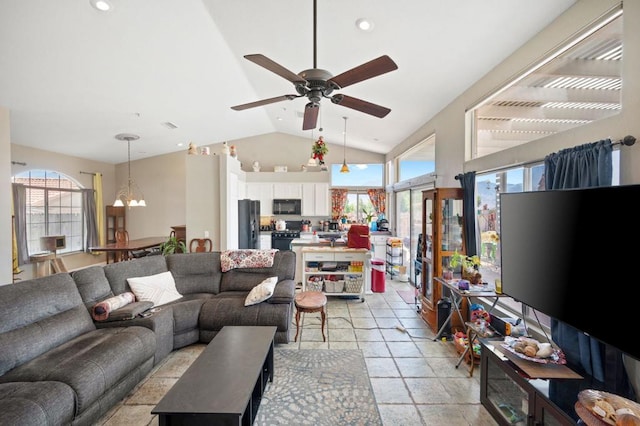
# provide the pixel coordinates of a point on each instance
(128, 246)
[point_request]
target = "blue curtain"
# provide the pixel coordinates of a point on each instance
(583, 166)
(468, 184)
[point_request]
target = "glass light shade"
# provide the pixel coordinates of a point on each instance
(344, 168)
(118, 203)
(142, 203)
(133, 203)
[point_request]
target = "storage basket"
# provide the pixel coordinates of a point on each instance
(353, 284)
(334, 286)
(314, 285)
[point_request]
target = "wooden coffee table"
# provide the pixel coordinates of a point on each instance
(224, 385)
(309, 302)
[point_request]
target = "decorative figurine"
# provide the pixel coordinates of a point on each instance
(232, 151)
(225, 148)
(193, 149)
(256, 166)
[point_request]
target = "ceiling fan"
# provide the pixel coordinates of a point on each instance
(316, 83)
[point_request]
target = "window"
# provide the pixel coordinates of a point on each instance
(54, 207)
(358, 202)
(488, 189)
(360, 175)
(576, 86)
(418, 161)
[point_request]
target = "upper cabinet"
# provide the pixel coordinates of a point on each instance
(287, 190)
(315, 199)
(263, 192)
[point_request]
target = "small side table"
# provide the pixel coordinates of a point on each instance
(309, 302)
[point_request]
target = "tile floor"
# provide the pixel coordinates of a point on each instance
(414, 378)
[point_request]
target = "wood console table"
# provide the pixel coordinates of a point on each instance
(224, 385)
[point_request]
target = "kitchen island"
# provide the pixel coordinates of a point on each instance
(336, 271)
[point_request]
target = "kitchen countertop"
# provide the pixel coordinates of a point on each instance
(322, 242)
(337, 249)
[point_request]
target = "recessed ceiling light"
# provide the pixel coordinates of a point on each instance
(364, 24)
(101, 5)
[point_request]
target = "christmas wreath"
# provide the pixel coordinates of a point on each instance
(319, 150)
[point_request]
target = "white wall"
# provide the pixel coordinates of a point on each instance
(6, 258)
(448, 124)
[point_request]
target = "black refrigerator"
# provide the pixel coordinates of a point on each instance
(248, 224)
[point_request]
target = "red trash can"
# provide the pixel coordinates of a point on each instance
(377, 275)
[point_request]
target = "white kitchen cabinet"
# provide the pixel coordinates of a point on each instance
(315, 199)
(264, 192)
(287, 190)
(339, 271)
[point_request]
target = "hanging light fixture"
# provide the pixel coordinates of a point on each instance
(344, 168)
(130, 193)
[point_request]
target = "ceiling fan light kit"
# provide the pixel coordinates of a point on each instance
(316, 83)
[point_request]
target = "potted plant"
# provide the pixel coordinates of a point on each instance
(173, 245)
(469, 266)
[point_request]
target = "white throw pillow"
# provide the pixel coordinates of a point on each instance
(261, 292)
(159, 288)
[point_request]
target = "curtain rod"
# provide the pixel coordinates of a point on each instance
(626, 141)
(19, 163)
(88, 173)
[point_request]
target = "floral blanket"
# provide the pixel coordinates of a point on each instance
(246, 258)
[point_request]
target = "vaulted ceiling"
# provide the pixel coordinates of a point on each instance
(73, 77)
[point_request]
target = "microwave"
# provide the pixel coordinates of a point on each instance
(287, 206)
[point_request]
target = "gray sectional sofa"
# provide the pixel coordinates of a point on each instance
(58, 366)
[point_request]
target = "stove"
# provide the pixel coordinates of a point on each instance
(281, 240)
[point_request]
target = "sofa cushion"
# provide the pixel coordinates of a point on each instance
(39, 315)
(92, 285)
(244, 279)
(229, 309)
(159, 288)
(261, 292)
(117, 273)
(36, 404)
(91, 363)
(196, 272)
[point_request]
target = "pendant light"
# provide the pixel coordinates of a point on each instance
(130, 193)
(344, 168)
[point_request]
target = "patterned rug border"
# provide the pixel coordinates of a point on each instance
(319, 387)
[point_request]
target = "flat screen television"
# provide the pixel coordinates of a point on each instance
(575, 256)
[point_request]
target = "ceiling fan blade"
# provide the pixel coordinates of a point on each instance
(310, 116)
(276, 68)
(360, 105)
(370, 69)
(264, 102)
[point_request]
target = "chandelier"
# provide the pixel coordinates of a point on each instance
(130, 193)
(344, 168)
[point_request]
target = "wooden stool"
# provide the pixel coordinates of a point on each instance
(309, 302)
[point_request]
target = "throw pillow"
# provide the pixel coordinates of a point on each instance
(261, 292)
(159, 288)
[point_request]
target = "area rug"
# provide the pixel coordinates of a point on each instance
(408, 296)
(319, 387)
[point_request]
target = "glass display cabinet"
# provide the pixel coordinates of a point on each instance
(443, 235)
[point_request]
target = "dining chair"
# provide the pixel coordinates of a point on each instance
(200, 245)
(122, 237)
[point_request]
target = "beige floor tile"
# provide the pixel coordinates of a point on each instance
(364, 323)
(400, 415)
(414, 367)
(382, 367)
(152, 391)
(374, 349)
(131, 415)
(390, 391)
(343, 345)
(395, 335)
(429, 390)
(368, 335)
(403, 349)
